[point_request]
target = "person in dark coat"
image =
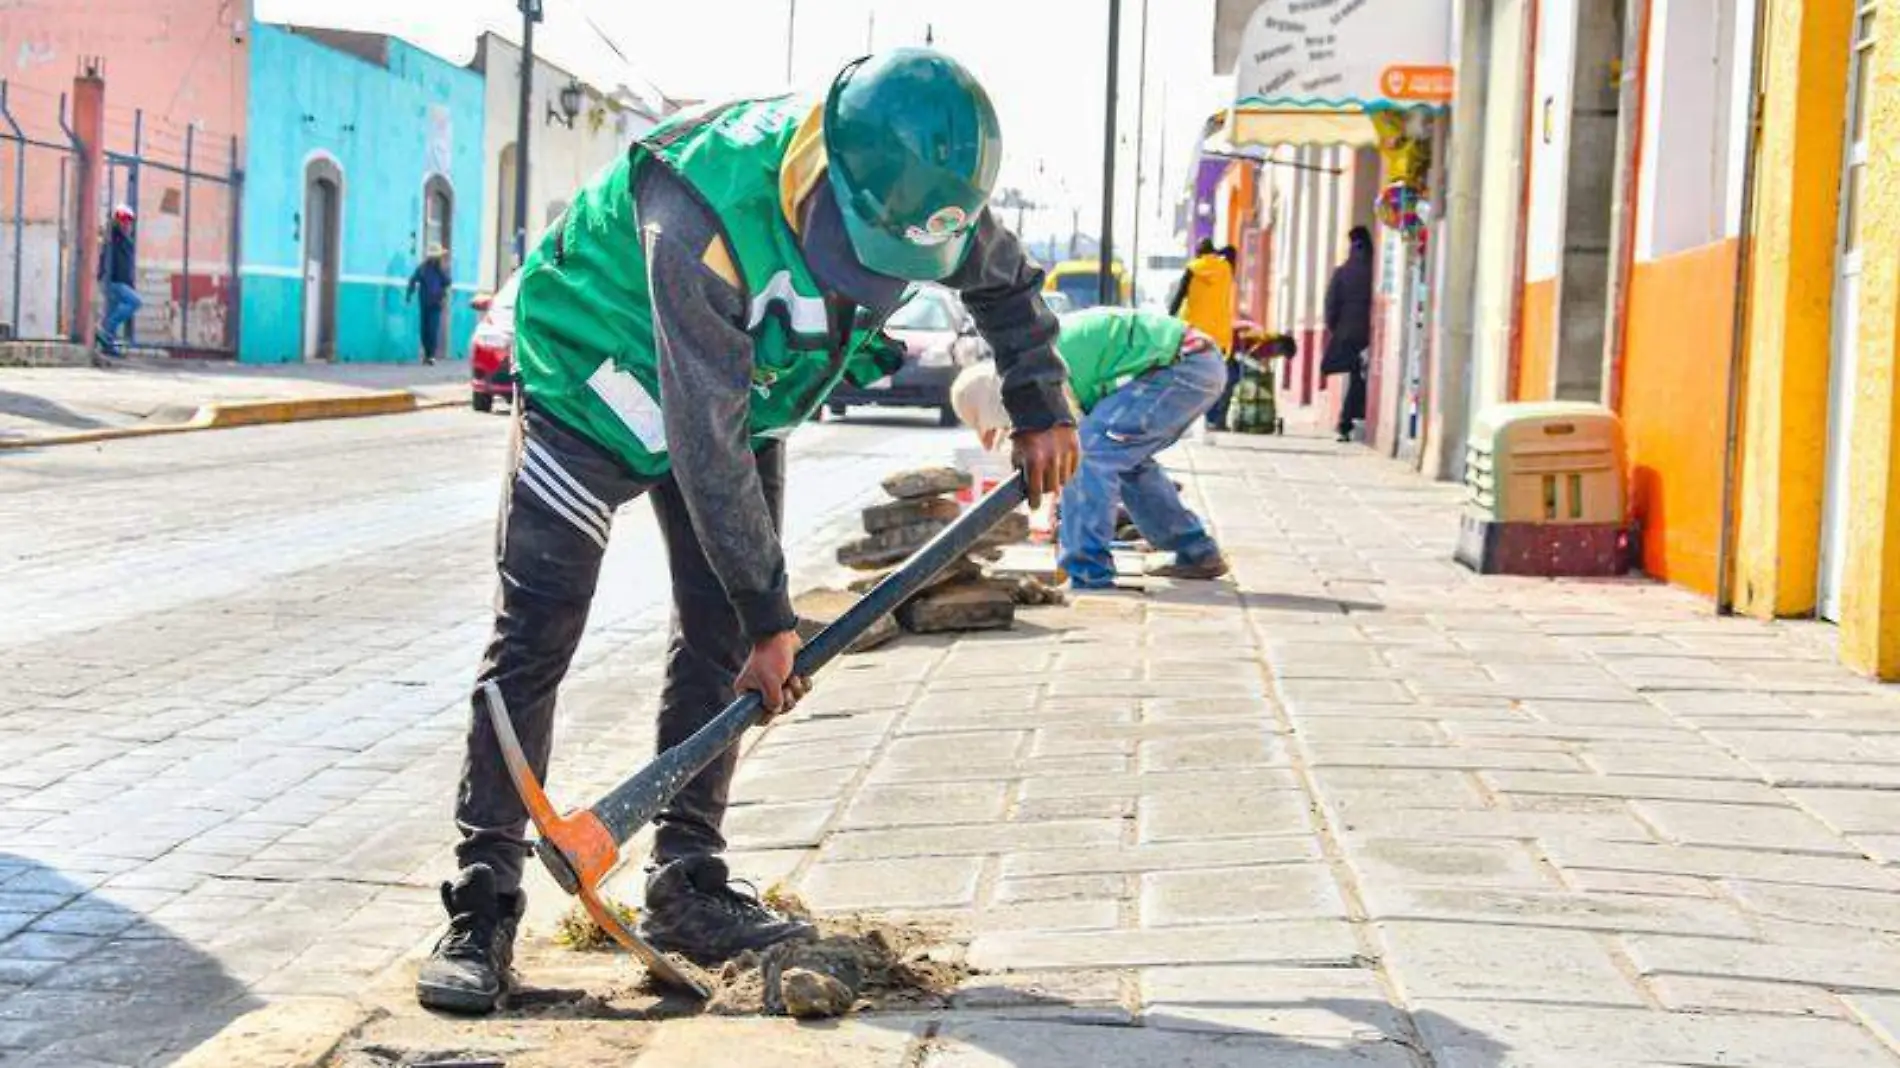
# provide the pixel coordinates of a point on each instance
(118, 271)
(432, 279)
(1349, 326)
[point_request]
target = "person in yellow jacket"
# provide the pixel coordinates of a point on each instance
(1205, 298)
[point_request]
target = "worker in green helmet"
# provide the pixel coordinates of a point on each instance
(699, 300)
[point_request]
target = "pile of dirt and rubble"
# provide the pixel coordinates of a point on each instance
(856, 964)
(967, 595)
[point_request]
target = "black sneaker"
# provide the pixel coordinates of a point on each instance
(468, 971)
(693, 910)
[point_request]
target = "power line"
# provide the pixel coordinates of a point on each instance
(605, 38)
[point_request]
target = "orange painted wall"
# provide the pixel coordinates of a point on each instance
(1536, 344)
(1675, 396)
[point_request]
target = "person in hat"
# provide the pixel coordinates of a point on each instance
(118, 271)
(432, 280)
(698, 301)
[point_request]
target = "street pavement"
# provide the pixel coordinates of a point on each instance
(41, 402)
(236, 666)
(1355, 808)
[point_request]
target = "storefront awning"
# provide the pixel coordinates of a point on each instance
(1310, 70)
(1249, 126)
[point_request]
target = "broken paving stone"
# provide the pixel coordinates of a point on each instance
(889, 546)
(965, 606)
(812, 980)
(818, 609)
(926, 482)
(1028, 561)
(1030, 591)
(882, 517)
(856, 963)
(811, 995)
(1011, 529)
(963, 570)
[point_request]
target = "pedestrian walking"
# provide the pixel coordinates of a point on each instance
(432, 280)
(698, 302)
(1349, 327)
(118, 271)
(1206, 299)
(1142, 379)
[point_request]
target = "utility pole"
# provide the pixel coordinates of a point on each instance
(530, 14)
(791, 38)
(1108, 294)
(1161, 182)
(1141, 159)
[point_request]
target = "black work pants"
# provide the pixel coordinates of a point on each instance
(556, 512)
(1353, 408)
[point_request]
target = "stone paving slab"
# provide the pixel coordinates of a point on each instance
(1010, 1043)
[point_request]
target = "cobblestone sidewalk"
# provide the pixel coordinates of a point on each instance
(1359, 808)
(37, 402)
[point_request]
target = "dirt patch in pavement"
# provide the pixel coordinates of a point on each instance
(592, 1005)
(857, 964)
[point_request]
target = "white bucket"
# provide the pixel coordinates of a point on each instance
(987, 470)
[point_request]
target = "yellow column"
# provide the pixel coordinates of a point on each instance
(1870, 602)
(1797, 192)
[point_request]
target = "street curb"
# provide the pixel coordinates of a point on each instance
(253, 413)
(296, 1032)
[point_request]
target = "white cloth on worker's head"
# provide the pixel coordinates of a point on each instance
(977, 398)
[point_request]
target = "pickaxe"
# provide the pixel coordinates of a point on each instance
(582, 847)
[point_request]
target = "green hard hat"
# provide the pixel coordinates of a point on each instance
(913, 148)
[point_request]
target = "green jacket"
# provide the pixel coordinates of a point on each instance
(584, 341)
(1106, 348)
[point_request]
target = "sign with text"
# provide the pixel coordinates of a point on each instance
(1346, 55)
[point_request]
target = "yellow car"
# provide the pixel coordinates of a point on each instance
(1080, 282)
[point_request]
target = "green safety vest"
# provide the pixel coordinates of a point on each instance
(584, 345)
(1106, 348)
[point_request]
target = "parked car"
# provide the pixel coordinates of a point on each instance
(1081, 282)
(939, 340)
(491, 349)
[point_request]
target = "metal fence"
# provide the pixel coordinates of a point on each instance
(185, 184)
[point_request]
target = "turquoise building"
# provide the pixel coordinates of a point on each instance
(363, 153)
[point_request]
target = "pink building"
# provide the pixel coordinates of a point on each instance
(175, 73)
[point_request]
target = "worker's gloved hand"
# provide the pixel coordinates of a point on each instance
(1047, 459)
(768, 673)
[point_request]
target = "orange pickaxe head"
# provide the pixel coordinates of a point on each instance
(577, 849)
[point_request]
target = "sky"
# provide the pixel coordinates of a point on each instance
(1043, 62)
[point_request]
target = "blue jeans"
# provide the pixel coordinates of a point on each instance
(1119, 441)
(122, 303)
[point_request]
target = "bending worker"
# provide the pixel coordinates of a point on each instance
(1143, 378)
(700, 299)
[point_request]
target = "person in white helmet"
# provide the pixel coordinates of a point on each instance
(119, 274)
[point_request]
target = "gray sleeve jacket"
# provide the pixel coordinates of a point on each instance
(705, 364)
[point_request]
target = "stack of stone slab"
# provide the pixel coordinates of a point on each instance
(960, 598)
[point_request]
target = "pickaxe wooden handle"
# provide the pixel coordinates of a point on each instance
(581, 848)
